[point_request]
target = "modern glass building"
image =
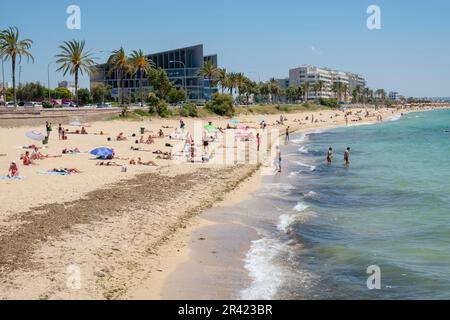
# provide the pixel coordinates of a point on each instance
(182, 66)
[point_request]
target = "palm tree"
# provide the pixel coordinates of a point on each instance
(75, 60)
(345, 90)
(209, 71)
(231, 81)
(337, 89)
(318, 87)
(119, 63)
(306, 88)
(141, 65)
(241, 81)
(11, 47)
(222, 78)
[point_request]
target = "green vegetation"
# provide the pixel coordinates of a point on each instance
(332, 103)
(189, 110)
(12, 48)
(74, 59)
(222, 105)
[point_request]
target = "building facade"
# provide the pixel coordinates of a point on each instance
(327, 77)
(181, 65)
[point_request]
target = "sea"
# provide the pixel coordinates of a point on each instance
(324, 229)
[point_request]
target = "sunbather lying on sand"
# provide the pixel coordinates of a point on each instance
(108, 164)
(149, 163)
(71, 151)
(121, 137)
(65, 170)
(166, 156)
(140, 149)
(13, 171)
(36, 155)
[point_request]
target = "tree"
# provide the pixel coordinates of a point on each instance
(231, 82)
(306, 89)
(142, 65)
(222, 105)
(74, 59)
(11, 47)
(61, 93)
(318, 87)
(241, 81)
(119, 63)
(85, 96)
(31, 91)
(100, 92)
(209, 71)
(161, 83)
(177, 95)
(222, 79)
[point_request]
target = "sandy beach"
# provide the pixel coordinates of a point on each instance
(127, 233)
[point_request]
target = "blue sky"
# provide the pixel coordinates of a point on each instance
(265, 38)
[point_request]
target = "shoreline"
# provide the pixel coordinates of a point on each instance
(135, 240)
(182, 275)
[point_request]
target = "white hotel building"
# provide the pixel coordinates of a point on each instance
(311, 74)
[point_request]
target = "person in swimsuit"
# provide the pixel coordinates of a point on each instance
(330, 156)
(13, 171)
(347, 157)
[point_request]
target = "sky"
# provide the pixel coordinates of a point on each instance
(265, 38)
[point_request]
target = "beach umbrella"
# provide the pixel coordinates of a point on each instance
(35, 135)
(102, 152)
(211, 128)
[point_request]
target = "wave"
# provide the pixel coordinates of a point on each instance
(303, 149)
(266, 275)
(302, 138)
(302, 164)
(396, 117)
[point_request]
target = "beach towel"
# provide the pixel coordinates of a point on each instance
(8, 178)
(55, 173)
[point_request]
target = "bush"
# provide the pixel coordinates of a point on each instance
(163, 110)
(222, 105)
(189, 110)
(46, 105)
(332, 103)
(141, 113)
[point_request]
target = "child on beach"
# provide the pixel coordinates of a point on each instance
(13, 171)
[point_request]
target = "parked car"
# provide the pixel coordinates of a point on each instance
(30, 104)
(9, 104)
(104, 105)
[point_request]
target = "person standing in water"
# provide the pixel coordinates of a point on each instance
(287, 134)
(278, 159)
(347, 157)
(330, 156)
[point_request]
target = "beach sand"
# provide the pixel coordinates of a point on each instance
(125, 235)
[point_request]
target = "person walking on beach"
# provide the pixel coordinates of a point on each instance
(258, 141)
(287, 134)
(347, 157)
(60, 129)
(278, 159)
(330, 156)
(48, 128)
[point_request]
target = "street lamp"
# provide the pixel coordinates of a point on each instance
(48, 80)
(3, 81)
(185, 73)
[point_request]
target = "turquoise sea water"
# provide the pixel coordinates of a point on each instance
(390, 208)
